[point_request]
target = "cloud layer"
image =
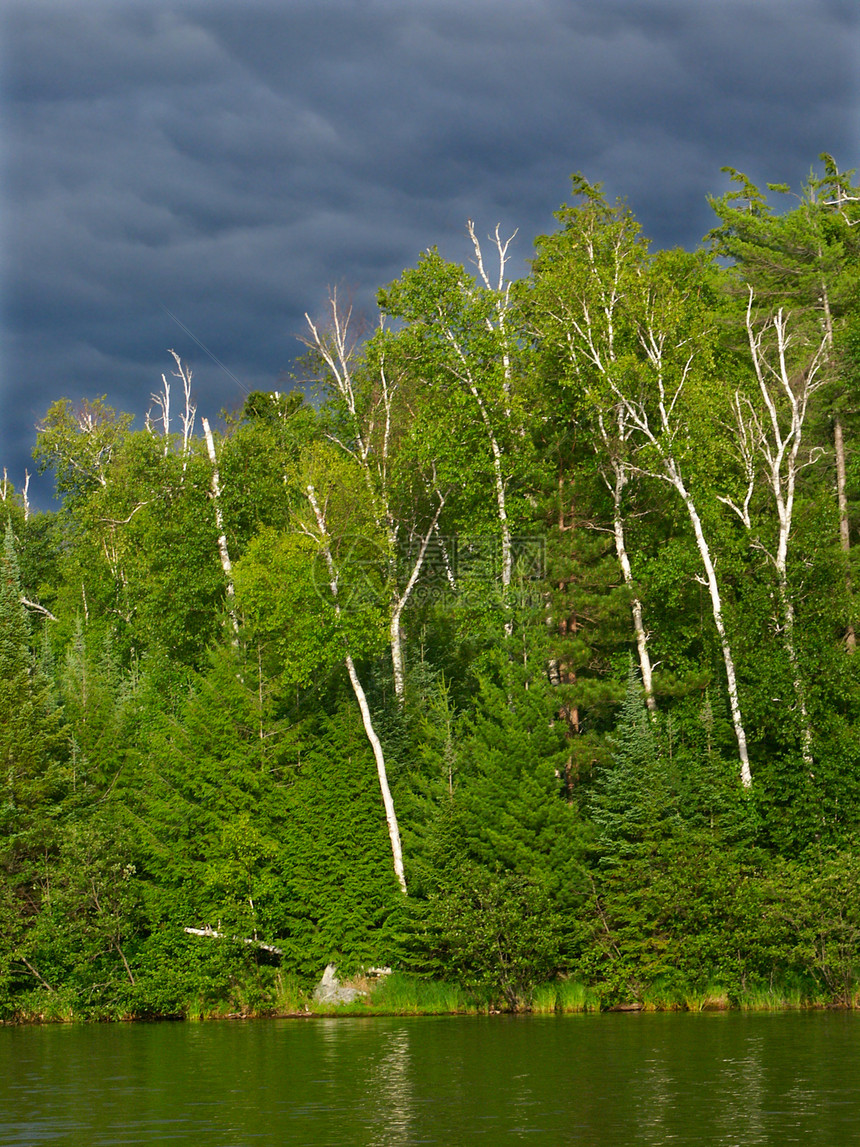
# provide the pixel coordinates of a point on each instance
(225, 163)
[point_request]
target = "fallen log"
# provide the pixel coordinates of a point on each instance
(212, 934)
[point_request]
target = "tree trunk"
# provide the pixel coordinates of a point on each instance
(797, 680)
(841, 497)
(223, 552)
(395, 631)
(501, 504)
(717, 610)
(395, 638)
(635, 604)
(379, 757)
(780, 449)
(361, 697)
(844, 534)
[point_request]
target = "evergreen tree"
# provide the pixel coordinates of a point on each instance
(632, 799)
(29, 729)
(512, 794)
(31, 736)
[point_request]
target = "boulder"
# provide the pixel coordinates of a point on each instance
(330, 990)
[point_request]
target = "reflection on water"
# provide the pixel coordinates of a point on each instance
(744, 1077)
(597, 1080)
(389, 1098)
(655, 1089)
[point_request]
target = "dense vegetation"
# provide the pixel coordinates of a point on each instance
(551, 592)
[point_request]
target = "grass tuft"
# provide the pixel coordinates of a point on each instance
(564, 996)
(770, 998)
(710, 998)
(412, 995)
(545, 999)
(662, 996)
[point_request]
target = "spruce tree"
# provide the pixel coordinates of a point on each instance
(632, 796)
(513, 795)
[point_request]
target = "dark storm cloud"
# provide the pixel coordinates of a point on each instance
(228, 162)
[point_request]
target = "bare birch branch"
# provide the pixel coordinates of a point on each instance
(34, 605)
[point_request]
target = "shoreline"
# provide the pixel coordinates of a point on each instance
(367, 1009)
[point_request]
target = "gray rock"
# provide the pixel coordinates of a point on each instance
(330, 991)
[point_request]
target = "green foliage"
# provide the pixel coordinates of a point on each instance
(78, 443)
(633, 800)
(815, 900)
(345, 900)
(499, 933)
(512, 803)
(174, 755)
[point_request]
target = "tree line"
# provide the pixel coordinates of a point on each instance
(525, 649)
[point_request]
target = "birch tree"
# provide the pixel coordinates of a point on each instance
(161, 400)
(314, 601)
(223, 550)
(78, 441)
(660, 411)
(372, 433)
(463, 345)
(360, 695)
(804, 260)
(616, 474)
(139, 505)
(771, 436)
(583, 276)
(642, 385)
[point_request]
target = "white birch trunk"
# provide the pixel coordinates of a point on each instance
(717, 611)
(779, 446)
(652, 340)
(399, 603)
(844, 534)
(501, 499)
(670, 472)
(361, 698)
(784, 514)
(395, 639)
(223, 551)
(598, 349)
(621, 470)
(502, 292)
(501, 506)
(379, 757)
(498, 474)
(374, 466)
(635, 603)
(841, 496)
(787, 607)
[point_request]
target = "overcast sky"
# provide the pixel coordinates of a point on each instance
(219, 164)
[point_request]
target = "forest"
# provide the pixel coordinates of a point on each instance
(512, 645)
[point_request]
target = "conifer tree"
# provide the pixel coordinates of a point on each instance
(632, 796)
(512, 797)
(27, 728)
(30, 738)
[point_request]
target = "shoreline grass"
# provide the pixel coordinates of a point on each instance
(405, 994)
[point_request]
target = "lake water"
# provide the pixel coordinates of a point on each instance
(728, 1079)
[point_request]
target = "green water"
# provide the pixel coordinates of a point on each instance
(728, 1079)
